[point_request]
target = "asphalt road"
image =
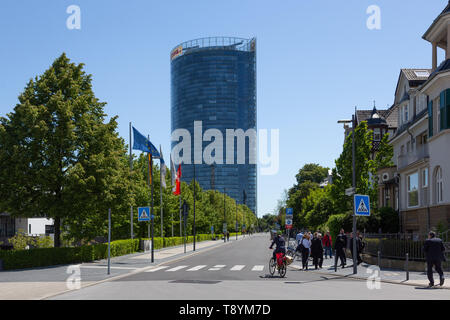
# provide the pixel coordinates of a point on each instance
(239, 271)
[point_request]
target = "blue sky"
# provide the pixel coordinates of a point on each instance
(316, 61)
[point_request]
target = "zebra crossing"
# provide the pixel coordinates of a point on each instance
(219, 267)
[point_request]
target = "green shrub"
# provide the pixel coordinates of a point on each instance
(41, 257)
(335, 223)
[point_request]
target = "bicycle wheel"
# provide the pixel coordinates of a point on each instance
(272, 266)
(282, 270)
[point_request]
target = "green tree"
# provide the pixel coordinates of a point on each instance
(58, 157)
(385, 154)
(318, 206)
(364, 165)
(308, 178)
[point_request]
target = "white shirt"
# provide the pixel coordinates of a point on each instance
(306, 243)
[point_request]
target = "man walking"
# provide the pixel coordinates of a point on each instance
(340, 246)
(317, 250)
(434, 251)
(358, 247)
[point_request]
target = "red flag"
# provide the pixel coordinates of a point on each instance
(177, 181)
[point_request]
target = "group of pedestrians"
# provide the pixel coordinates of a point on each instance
(316, 246)
(342, 242)
(313, 245)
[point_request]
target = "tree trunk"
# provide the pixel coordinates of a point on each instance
(57, 243)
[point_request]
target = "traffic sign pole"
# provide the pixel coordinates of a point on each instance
(355, 268)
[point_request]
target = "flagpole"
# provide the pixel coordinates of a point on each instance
(151, 205)
(171, 177)
(152, 214)
(148, 180)
(131, 171)
(194, 206)
(160, 193)
(181, 234)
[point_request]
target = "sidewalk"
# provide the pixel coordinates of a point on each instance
(365, 271)
(41, 283)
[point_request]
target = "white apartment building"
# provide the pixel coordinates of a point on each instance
(422, 142)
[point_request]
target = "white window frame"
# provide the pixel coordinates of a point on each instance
(439, 185)
(425, 183)
(408, 190)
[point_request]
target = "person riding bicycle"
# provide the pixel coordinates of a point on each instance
(280, 245)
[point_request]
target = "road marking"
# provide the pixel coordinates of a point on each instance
(196, 268)
(238, 267)
(176, 268)
(258, 268)
(217, 267)
(156, 269)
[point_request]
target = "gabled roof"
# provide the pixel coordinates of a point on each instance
(372, 116)
(388, 117)
(415, 78)
(416, 74)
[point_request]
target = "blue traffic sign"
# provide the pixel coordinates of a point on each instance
(362, 205)
(144, 214)
(289, 211)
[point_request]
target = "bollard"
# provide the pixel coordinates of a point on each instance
(335, 261)
(379, 259)
(407, 267)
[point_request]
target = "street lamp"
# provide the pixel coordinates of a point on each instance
(353, 122)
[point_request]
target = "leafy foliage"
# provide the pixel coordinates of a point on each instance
(58, 157)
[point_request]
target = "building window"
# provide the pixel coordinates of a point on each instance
(377, 134)
(413, 190)
(425, 178)
(406, 113)
(430, 118)
(439, 185)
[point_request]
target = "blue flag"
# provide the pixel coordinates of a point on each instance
(142, 143)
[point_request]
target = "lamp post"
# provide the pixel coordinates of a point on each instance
(353, 122)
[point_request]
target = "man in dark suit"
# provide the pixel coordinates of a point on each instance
(434, 251)
(340, 245)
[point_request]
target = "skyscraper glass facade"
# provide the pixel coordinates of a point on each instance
(213, 80)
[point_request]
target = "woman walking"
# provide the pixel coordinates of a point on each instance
(317, 250)
(305, 247)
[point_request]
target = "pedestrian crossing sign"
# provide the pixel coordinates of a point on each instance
(362, 205)
(144, 214)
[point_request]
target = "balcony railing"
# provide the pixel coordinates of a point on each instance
(419, 153)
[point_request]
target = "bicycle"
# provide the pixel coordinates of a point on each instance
(280, 265)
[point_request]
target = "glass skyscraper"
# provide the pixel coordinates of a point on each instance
(213, 80)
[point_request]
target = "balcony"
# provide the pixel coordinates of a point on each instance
(420, 153)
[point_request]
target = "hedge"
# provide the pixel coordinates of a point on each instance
(32, 258)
